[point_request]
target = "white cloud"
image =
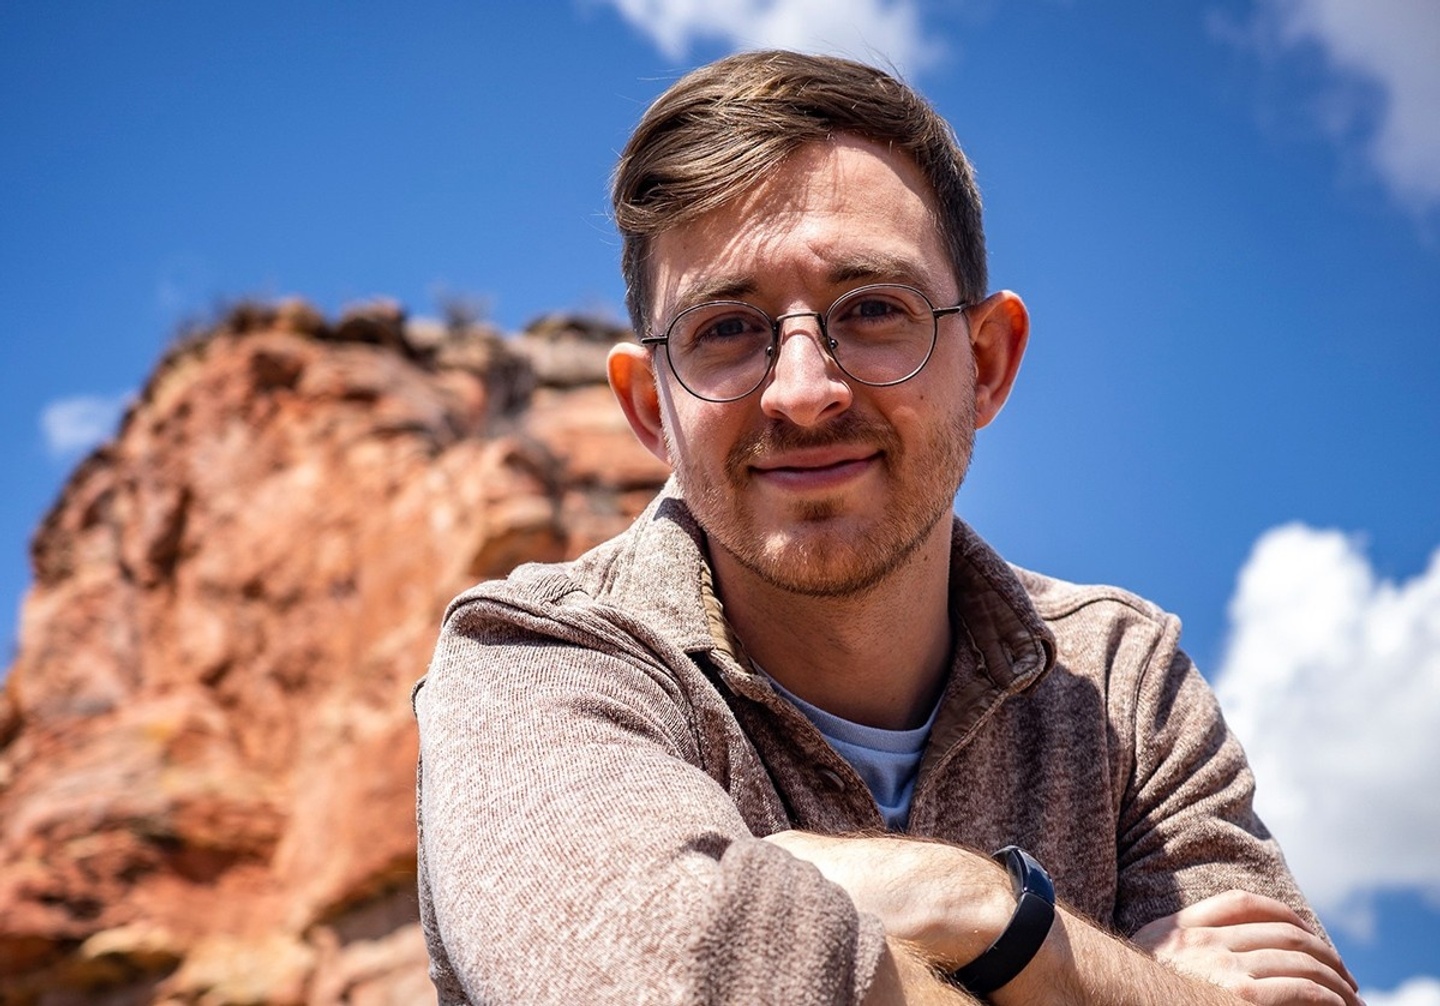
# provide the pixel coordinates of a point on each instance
(881, 32)
(76, 424)
(1420, 991)
(1332, 681)
(1389, 46)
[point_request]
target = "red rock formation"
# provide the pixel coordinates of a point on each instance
(207, 754)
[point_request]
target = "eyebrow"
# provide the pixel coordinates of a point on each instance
(875, 267)
(715, 288)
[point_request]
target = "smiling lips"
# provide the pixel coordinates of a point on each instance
(819, 468)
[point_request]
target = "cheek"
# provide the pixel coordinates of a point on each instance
(673, 425)
(695, 431)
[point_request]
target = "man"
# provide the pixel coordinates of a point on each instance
(747, 752)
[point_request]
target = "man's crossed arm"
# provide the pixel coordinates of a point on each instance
(943, 905)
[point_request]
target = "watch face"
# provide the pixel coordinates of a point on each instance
(1027, 873)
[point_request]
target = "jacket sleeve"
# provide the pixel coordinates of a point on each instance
(1187, 827)
(573, 849)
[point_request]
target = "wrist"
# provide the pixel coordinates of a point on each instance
(955, 903)
(1024, 933)
(1051, 975)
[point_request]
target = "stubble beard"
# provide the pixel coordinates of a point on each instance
(815, 552)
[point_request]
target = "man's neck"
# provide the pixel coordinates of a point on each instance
(879, 657)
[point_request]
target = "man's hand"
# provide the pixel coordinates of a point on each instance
(1254, 946)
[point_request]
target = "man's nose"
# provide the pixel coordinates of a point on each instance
(806, 385)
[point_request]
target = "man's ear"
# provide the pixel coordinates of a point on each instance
(632, 378)
(999, 330)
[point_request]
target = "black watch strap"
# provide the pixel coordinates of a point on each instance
(1014, 948)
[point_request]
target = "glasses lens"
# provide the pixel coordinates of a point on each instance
(881, 334)
(720, 350)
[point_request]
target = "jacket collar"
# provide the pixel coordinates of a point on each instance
(663, 570)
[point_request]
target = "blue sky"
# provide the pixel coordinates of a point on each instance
(1223, 214)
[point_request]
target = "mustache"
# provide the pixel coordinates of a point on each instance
(782, 435)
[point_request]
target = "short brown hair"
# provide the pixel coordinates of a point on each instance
(721, 129)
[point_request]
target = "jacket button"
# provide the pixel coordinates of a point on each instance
(832, 778)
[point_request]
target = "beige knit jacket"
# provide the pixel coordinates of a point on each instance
(598, 762)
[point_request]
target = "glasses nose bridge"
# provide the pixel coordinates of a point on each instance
(777, 326)
(820, 335)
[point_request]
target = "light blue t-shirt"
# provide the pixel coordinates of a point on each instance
(886, 759)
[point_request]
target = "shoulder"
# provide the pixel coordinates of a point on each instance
(1102, 631)
(542, 589)
(624, 618)
(1030, 622)
(1056, 599)
(645, 582)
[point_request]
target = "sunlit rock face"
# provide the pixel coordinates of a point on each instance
(207, 755)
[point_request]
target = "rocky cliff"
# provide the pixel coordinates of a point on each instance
(207, 755)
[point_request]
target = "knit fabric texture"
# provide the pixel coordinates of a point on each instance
(599, 761)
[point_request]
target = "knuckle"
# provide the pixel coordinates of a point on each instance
(1189, 941)
(1245, 986)
(1247, 901)
(1302, 991)
(1295, 938)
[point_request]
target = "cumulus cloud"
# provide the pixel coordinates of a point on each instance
(72, 425)
(882, 32)
(1332, 681)
(1386, 48)
(1422, 991)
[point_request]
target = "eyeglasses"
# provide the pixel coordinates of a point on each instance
(880, 335)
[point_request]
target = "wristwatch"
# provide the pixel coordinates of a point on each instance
(1028, 927)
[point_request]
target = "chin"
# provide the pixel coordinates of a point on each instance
(829, 557)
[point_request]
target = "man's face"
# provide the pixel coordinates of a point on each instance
(815, 483)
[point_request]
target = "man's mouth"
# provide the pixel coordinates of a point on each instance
(783, 456)
(816, 468)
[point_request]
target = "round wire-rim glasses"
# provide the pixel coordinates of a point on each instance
(723, 350)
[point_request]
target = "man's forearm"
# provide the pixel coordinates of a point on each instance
(905, 978)
(1081, 964)
(949, 904)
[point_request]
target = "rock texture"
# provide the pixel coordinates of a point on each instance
(207, 754)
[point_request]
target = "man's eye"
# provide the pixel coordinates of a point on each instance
(727, 326)
(873, 309)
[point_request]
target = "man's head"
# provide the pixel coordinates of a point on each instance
(725, 127)
(787, 183)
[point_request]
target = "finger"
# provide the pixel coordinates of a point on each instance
(1264, 965)
(1280, 936)
(1250, 937)
(1236, 907)
(1291, 991)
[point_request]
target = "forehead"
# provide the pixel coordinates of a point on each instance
(833, 214)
